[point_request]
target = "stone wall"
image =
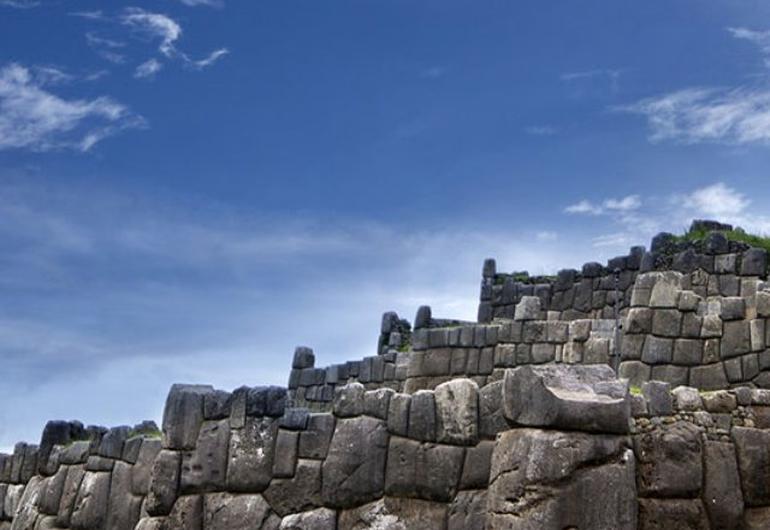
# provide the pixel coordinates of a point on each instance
(534, 449)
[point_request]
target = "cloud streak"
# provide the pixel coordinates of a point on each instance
(32, 117)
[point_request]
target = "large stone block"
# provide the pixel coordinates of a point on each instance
(27, 514)
(318, 519)
(51, 492)
(187, 514)
(657, 350)
(224, 511)
(457, 412)
(586, 398)
(722, 495)
(205, 468)
(527, 309)
(663, 514)
(164, 484)
(708, 377)
(736, 338)
(298, 493)
(419, 470)
(665, 291)
(468, 511)
(552, 479)
(124, 508)
(142, 470)
(669, 461)
(398, 414)
(751, 446)
(354, 470)
(250, 458)
(90, 509)
(69, 494)
(477, 465)
(349, 400)
(491, 417)
(183, 415)
(422, 416)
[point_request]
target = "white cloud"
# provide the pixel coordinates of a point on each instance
(717, 200)
(208, 61)
(90, 15)
(33, 118)
(148, 69)
(760, 38)
(618, 239)
(626, 204)
(210, 3)
(696, 115)
(155, 25)
(547, 235)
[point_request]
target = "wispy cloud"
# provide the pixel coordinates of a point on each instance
(148, 69)
(32, 117)
(586, 81)
(540, 130)
(90, 15)
(208, 61)
(210, 3)
(760, 38)
(717, 200)
(625, 204)
(433, 72)
(155, 25)
(19, 4)
(697, 115)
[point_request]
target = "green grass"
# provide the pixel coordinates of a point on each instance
(733, 235)
(635, 390)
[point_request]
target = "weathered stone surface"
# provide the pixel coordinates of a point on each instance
(90, 509)
(321, 518)
(74, 453)
(722, 495)
(183, 415)
(660, 402)
(205, 468)
(164, 484)
(224, 511)
(736, 339)
(250, 458)
(636, 372)
(69, 494)
(51, 492)
(314, 442)
(491, 417)
(587, 398)
(687, 399)
(349, 400)
(124, 508)
(666, 289)
(12, 500)
(285, 460)
(478, 461)
(751, 446)
(708, 377)
(657, 350)
(468, 511)
(142, 470)
(527, 309)
(719, 401)
(111, 444)
(669, 461)
(457, 412)
(639, 320)
(665, 514)
(395, 514)
(398, 414)
(299, 493)
(187, 514)
(542, 479)
(422, 416)
(422, 470)
(376, 402)
(354, 471)
(303, 358)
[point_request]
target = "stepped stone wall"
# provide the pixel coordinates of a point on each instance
(514, 422)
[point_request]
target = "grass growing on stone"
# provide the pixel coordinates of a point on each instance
(635, 390)
(733, 235)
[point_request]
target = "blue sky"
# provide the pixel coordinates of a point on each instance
(189, 189)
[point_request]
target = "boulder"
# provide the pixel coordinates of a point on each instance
(183, 415)
(312, 520)
(751, 446)
(299, 493)
(395, 514)
(187, 514)
(354, 471)
(586, 398)
(164, 484)
(124, 508)
(69, 494)
(90, 509)
(664, 514)
(422, 470)
(527, 309)
(552, 479)
(468, 511)
(250, 458)
(224, 511)
(722, 495)
(669, 461)
(457, 412)
(204, 469)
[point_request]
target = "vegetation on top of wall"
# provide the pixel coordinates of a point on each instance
(737, 234)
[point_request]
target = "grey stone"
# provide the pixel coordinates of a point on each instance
(722, 495)
(763, 304)
(303, 358)
(733, 308)
(527, 309)
(313, 520)
(376, 402)
(491, 417)
(719, 401)
(398, 414)
(69, 494)
(688, 352)
(216, 405)
(675, 375)
(224, 511)
(536, 484)
(666, 289)
(354, 470)
(639, 320)
(75, 453)
(141, 473)
(757, 330)
(669, 461)
(349, 400)
(183, 415)
(596, 351)
(733, 370)
(457, 412)
(712, 327)
(286, 448)
(124, 507)
(394, 514)
(251, 456)
(50, 493)
(90, 510)
(419, 470)
(708, 377)
(682, 514)
(314, 442)
(299, 493)
(754, 464)
(294, 419)
(164, 484)
(422, 416)
(657, 350)
(659, 399)
(687, 399)
(99, 463)
(187, 514)
(636, 372)
(587, 398)
(754, 262)
(205, 468)
(468, 511)
(667, 322)
(736, 339)
(477, 464)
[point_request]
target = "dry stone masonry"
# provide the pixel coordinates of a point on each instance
(514, 422)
